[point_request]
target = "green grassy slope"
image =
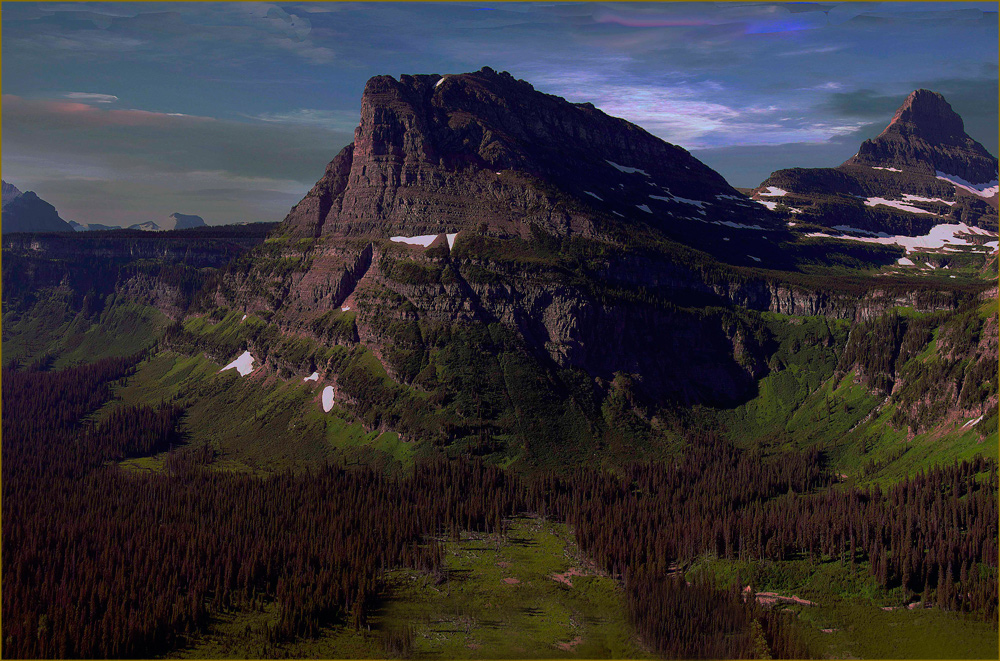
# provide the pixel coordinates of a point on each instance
(52, 327)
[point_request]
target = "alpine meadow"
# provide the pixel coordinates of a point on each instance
(665, 330)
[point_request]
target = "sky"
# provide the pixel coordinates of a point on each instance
(119, 113)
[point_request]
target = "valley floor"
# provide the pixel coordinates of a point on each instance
(530, 594)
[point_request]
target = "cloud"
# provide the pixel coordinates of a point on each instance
(63, 115)
(89, 96)
(337, 120)
(234, 32)
(693, 114)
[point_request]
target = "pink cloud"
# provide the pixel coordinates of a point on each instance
(82, 114)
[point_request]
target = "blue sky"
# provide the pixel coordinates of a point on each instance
(126, 112)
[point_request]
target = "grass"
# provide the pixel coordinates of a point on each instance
(500, 601)
(258, 424)
(850, 621)
(472, 613)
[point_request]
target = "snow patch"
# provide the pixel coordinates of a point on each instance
(451, 240)
(683, 200)
(756, 259)
(422, 240)
(244, 318)
(916, 198)
(875, 167)
(327, 399)
(940, 236)
(643, 207)
(594, 195)
(243, 364)
(875, 201)
(440, 81)
(738, 226)
(731, 197)
(989, 189)
(972, 423)
(992, 245)
(617, 214)
(770, 205)
(904, 261)
(312, 377)
(773, 191)
(345, 308)
(626, 169)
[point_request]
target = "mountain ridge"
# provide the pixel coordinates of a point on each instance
(26, 212)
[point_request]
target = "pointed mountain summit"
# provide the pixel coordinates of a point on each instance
(444, 154)
(925, 134)
(921, 172)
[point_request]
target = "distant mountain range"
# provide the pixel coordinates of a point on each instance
(26, 212)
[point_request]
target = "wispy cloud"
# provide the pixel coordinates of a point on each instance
(68, 115)
(90, 96)
(337, 120)
(692, 114)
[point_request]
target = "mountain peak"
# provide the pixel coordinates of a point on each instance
(10, 192)
(929, 115)
(439, 154)
(926, 135)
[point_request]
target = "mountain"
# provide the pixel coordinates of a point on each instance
(926, 135)
(180, 221)
(922, 171)
(148, 226)
(26, 212)
(445, 154)
(493, 270)
(175, 221)
(92, 227)
(489, 261)
(10, 192)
